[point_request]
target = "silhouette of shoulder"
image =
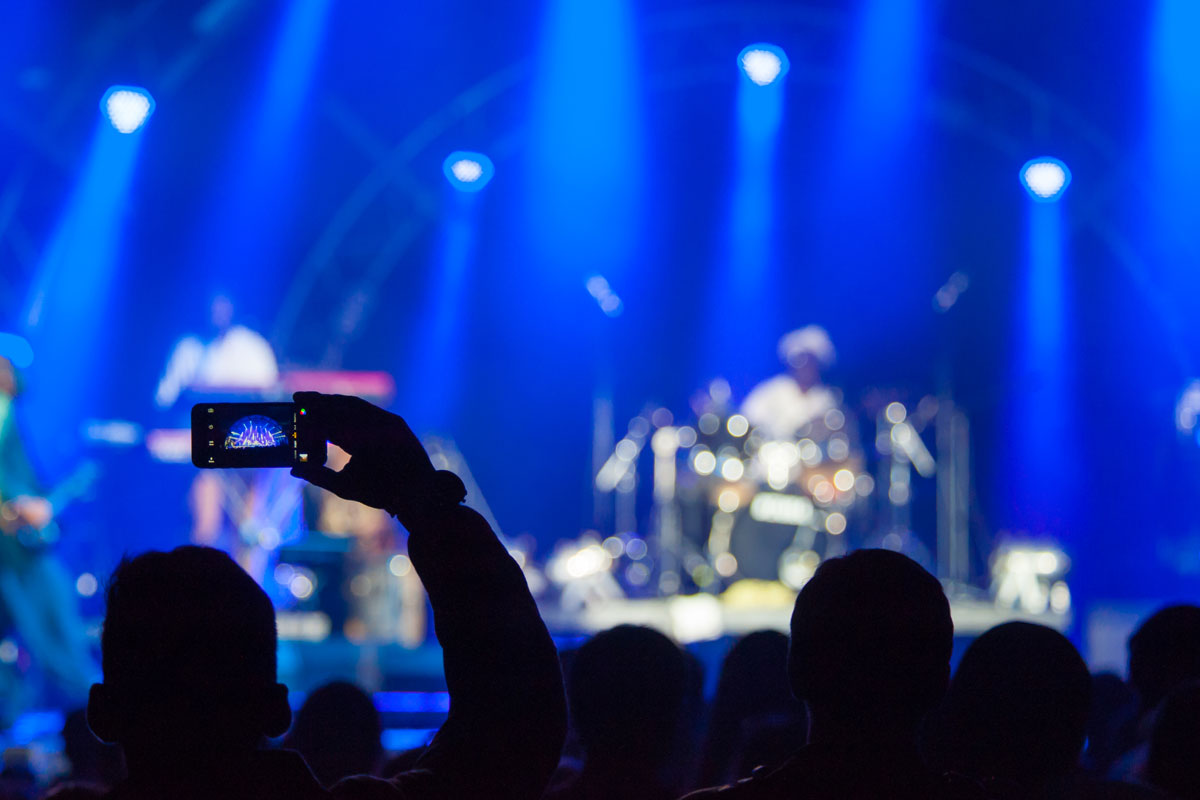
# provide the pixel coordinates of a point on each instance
(825, 773)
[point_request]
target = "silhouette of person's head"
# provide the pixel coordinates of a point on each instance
(753, 695)
(1017, 708)
(870, 649)
(626, 691)
(1172, 764)
(337, 731)
(188, 652)
(1164, 653)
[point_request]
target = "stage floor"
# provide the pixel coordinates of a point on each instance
(696, 618)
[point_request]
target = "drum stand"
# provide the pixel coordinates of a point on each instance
(953, 494)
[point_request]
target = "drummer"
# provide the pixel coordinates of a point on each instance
(782, 405)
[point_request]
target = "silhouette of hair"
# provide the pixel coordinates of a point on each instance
(1164, 653)
(1017, 708)
(871, 640)
(626, 689)
(753, 692)
(1174, 743)
(188, 649)
(337, 731)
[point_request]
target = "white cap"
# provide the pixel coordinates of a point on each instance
(811, 340)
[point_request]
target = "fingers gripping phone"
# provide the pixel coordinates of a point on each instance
(226, 435)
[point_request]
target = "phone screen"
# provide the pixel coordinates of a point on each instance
(228, 435)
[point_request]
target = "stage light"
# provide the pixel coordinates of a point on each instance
(725, 564)
(127, 107)
(302, 586)
(1045, 178)
(1030, 578)
(399, 565)
(468, 172)
(781, 509)
(588, 560)
(704, 462)
(763, 64)
(600, 290)
(86, 584)
(737, 425)
(732, 470)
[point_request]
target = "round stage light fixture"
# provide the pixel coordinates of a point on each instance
(1045, 178)
(127, 107)
(763, 63)
(467, 171)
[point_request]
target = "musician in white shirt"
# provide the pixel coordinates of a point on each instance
(245, 512)
(781, 405)
(237, 358)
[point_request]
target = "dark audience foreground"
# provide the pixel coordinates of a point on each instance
(1173, 763)
(626, 689)
(870, 656)
(188, 648)
(1016, 713)
(756, 719)
(337, 730)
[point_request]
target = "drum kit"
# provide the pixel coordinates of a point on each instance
(735, 503)
(754, 506)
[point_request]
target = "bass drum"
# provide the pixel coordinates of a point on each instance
(758, 546)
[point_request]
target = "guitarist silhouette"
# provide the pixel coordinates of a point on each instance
(37, 601)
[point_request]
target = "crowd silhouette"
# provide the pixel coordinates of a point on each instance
(859, 701)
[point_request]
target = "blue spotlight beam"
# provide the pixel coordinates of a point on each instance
(1173, 129)
(438, 337)
(584, 186)
(242, 239)
(71, 295)
(886, 70)
(748, 253)
(1043, 440)
(752, 208)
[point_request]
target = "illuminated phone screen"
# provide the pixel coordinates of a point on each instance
(228, 435)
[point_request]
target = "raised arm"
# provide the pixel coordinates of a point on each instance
(507, 711)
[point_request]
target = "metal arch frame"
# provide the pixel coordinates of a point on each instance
(1046, 112)
(44, 140)
(390, 165)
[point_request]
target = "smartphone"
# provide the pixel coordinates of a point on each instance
(229, 435)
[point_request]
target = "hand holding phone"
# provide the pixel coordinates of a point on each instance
(386, 457)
